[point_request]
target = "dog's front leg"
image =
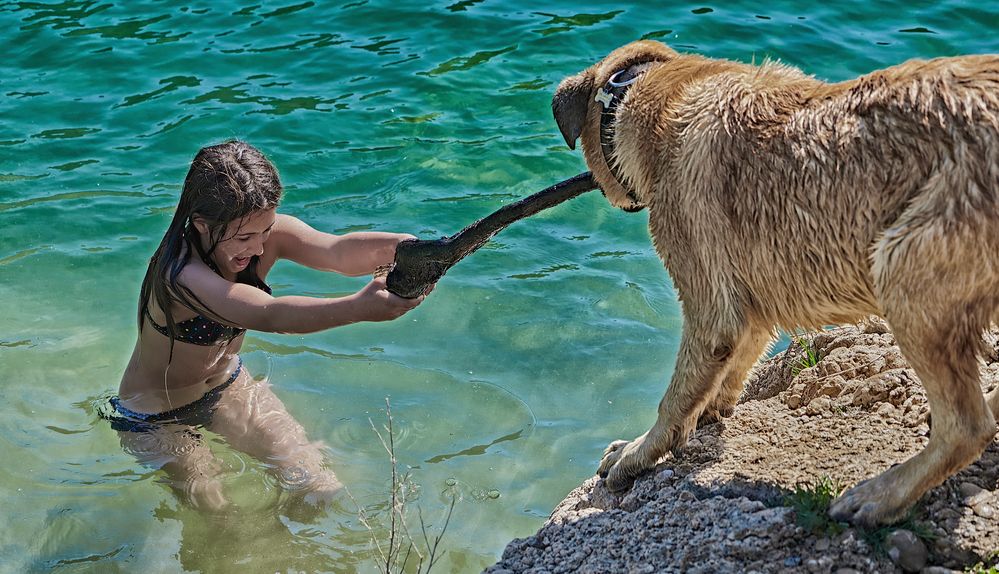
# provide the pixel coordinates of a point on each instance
(706, 353)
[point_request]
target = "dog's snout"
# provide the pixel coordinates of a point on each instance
(570, 104)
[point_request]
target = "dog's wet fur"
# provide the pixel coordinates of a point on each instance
(778, 200)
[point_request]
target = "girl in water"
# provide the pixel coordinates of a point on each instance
(203, 289)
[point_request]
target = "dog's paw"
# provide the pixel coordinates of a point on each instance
(611, 455)
(621, 464)
(620, 478)
(870, 504)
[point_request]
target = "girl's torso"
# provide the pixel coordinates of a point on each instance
(154, 382)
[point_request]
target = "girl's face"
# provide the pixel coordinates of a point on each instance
(243, 239)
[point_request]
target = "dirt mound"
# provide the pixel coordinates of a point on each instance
(837, 407)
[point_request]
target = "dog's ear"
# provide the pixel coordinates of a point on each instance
(570, 103)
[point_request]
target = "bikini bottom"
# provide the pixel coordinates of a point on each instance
(198, 413)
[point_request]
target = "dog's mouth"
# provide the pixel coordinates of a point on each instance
(633, 208)
(609, 96)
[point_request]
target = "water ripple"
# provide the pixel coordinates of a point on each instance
(288, 10)
(558, 23)
(308, 41)
(239, 94)
(167, 126)
(15, 177)
(463, 5)
(68, 196)
(66, 133)
(23, 254)
(132, 28)
(256, 344)
(61, 15)
(169, 84)
(381, 46)
(73, 165)
(467, 62)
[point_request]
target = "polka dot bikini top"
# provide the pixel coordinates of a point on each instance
(201, 330)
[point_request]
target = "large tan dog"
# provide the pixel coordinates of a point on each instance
(776, 199)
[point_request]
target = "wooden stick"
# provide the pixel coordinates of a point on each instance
(419, 263)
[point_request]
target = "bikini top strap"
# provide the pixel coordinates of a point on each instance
(159, 328)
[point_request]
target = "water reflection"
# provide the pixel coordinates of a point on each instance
(477, 449)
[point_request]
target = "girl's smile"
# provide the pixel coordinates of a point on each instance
(244, 238)
(241, 262)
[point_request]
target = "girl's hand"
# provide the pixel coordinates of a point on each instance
(376, 303)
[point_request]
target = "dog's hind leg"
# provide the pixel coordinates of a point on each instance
(937, 305)
(733, 382)
(707, 350)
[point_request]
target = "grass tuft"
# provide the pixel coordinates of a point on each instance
(811, 506)
(989, 566)
(809, 359)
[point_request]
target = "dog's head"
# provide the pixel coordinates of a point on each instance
(578, 111)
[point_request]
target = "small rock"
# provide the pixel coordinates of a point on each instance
(822, 545)
(831, 390)
(846, 571)
(821, 564)
(749, 506)
(937, 570)
(969, 490)
(874, 325)
(886, 410)
(906, 550)
(818, 405)
(974, 497)
(947, 514)
(983, 510)
(792, 561)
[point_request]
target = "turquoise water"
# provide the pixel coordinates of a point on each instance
(421, 117)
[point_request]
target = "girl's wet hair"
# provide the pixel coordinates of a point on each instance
(226, 182)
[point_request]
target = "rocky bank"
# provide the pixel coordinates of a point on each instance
(724, 503)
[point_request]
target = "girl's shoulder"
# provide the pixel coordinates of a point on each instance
(289, 234)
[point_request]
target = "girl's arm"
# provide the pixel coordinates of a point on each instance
(250, 308)
(352, 254)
